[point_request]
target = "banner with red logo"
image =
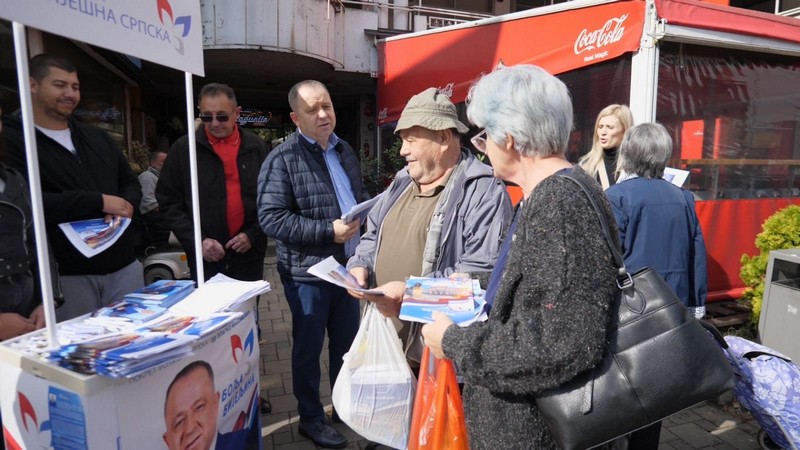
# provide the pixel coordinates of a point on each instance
(167, 32)
(453, 60)
(206, 401)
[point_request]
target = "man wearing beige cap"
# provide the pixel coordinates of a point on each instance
(443, 213)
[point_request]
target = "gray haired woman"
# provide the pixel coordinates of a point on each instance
(657, 220)
(554, 280)
(658, 228)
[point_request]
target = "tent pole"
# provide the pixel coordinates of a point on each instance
(644, 68)
(34, 181)
(198, 238)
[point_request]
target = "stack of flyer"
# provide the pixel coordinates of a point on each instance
(163, 321)
(148, 302)
(219, 294)
(131, 352)
(461, 299)
(162, 293)
(122, 355)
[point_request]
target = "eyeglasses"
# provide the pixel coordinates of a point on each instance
(479, 141)
(221, 117)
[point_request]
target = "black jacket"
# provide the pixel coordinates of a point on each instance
(297, 204)
(174, 195)
(73, 187)
(18, 252)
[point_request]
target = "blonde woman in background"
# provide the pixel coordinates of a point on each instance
(601, 161)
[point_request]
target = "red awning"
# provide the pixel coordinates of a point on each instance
(452, 60)
(707, 16)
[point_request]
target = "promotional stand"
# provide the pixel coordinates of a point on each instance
(46, 406)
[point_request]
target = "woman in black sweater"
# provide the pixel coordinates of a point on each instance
(601, 161)
(554, 281)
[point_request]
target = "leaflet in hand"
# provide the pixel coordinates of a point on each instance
(675, 176)
(331, 271)
(94, 236)
(359, 211)
(461, 299)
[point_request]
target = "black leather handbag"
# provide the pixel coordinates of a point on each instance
(659, 360)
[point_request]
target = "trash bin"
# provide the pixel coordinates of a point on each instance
(779, 323)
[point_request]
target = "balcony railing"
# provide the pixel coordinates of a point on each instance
(434, 17)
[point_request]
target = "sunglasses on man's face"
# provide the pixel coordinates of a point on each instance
(221, 117)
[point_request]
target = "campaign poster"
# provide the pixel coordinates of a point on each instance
(41, 414)
(208, 400)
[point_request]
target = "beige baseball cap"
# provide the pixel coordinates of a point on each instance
(432, 110)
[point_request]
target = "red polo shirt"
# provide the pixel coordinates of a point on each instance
(228, 149)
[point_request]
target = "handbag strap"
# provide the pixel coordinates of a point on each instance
(624, 279)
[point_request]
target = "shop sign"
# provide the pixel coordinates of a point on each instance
(254, 118)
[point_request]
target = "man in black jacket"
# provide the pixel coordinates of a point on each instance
(304, 186)
(228, 161)
(84, 175)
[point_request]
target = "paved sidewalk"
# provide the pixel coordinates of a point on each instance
(707, 426)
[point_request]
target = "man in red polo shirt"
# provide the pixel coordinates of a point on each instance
(228, 162)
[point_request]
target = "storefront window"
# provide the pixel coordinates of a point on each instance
(734, 119)
(102, 91)
(592, 89)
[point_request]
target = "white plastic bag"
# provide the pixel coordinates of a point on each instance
(374, 392)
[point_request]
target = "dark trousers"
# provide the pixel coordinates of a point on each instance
(156, 231)
(317, 307)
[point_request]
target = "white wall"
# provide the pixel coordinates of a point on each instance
(306, 27)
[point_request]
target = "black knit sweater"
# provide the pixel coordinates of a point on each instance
(549, 318)
(610, 161)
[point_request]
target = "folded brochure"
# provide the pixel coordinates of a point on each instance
(331, 271)
(94, 236)
(461, 299)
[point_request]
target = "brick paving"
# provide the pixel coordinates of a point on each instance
(707, 426)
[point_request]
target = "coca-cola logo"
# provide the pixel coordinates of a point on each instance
(383, 113)
(447, 90)
(611, 32)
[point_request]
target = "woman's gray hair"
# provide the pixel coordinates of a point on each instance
(525, 102)
(645, 150)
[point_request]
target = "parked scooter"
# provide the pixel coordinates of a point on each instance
(165, 261)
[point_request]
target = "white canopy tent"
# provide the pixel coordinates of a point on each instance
(166, 32)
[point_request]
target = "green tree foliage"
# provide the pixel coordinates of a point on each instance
(138, 156)
(377, 177)
(780, 231)
(272, 135)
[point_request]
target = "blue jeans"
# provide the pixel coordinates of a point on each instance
(317, 307)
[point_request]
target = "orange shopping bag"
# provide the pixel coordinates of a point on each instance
(438, 419)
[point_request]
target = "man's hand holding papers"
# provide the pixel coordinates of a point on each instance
(331, 271)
